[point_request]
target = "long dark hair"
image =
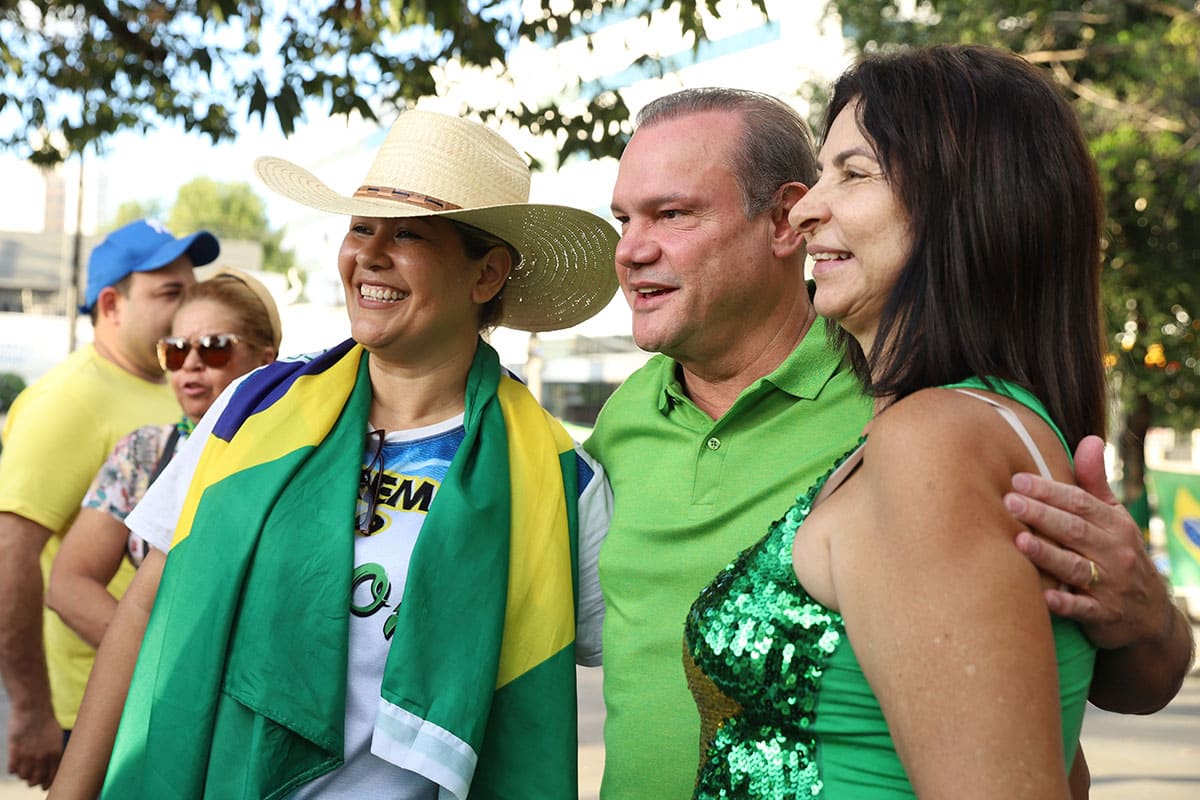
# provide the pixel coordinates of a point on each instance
(1005, 210)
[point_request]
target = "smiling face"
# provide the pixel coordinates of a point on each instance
(855, 229)
(693, 268)
(195, 384)
(412, 293)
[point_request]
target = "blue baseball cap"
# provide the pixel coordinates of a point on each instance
(142, 246)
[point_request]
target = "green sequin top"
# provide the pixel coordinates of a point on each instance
(786, 711)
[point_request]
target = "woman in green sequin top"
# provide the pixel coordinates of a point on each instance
(885, 639)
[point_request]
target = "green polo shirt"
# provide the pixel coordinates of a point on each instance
(690, 492)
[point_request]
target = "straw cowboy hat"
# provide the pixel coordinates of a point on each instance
(435, 165)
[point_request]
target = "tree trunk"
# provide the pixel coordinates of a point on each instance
(1132, 449)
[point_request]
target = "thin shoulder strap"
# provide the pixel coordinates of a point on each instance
(1015, 423)
(168, 452)
(839, 475)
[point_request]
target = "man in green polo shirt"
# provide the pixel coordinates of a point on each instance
(744, 407)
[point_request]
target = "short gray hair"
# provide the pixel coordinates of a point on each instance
(776, 145)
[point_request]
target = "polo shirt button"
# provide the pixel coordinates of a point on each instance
(714, 443)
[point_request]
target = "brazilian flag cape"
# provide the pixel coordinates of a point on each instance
(239, 689)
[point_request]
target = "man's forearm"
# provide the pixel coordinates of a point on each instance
(22, 656)
(1142, 677)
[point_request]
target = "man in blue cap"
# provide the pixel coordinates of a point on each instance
(58, 433)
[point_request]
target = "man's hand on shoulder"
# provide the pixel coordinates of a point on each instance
(1091, 545)
(1125, 600)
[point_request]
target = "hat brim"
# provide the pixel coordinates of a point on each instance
(567, 269)
(201, 247)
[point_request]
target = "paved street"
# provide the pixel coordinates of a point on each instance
(1132, 758)
(1155, 757)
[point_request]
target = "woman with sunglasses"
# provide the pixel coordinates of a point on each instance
(382, 558)
(225, 327)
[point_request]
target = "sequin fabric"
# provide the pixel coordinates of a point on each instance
(755, 647)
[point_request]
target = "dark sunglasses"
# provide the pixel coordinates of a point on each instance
(370, 484)
(214, 349)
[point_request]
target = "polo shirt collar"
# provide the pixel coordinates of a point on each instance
(803, 374)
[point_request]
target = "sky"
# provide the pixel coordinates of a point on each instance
(153, 166)
(147, 167)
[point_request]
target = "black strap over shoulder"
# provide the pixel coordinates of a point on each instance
(168, 453)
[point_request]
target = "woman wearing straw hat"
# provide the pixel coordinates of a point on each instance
(225, 326)
(299, 647)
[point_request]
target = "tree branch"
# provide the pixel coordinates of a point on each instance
(1155, 121)
(1081, 16)
(1168, 10)
(121, 31)
(1055, 56)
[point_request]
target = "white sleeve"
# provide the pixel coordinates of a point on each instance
(595, 512)
(155, 517)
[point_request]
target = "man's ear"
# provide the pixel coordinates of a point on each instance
(108, 305)
(786, 240)
(497, 265)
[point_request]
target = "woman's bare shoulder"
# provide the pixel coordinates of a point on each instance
(943, 446)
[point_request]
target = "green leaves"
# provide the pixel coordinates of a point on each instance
(77, 72)
(287, 109)
(230, 211)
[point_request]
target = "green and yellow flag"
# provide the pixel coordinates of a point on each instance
(1178, 492)
(239, 690)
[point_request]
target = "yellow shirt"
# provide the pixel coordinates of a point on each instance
(58, 433)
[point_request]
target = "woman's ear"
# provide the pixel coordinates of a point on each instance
(497, 265)
(268, 355)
